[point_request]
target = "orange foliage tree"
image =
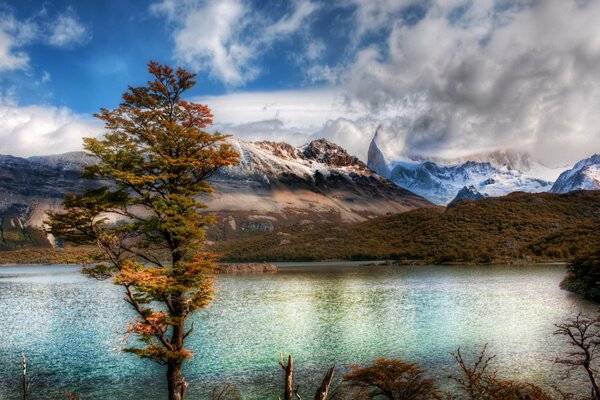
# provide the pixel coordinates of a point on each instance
(154, 162)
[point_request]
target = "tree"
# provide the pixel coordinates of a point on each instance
(390, 379)
(289, 392)
(154, 162)
(583, 275)
(583, 334)
(477, 381)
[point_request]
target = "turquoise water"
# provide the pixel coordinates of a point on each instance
(321, 313)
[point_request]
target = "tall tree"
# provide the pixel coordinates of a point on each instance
(154, 162)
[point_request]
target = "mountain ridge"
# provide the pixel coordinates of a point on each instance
(585, 175)
(494, 173)
(274, 185)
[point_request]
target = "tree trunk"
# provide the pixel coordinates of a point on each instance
(289, 377)
(176, 384)
(590, 372)
(26, 384)
(322, 391)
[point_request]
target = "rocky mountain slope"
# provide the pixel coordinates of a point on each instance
(278, 185)
(29, 187)
(585, 175)
(495, 174)
(274, 185)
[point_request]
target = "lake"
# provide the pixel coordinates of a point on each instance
(322, 313)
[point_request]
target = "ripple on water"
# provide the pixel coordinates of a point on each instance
(321, 313)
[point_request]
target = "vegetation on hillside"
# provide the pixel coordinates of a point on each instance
(520, 227)
(583, 276)
(15, 233)
(29, 255)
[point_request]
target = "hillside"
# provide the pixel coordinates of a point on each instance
(520, 227)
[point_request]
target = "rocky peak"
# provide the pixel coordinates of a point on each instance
(325, 152)
(376, 159)
(468, 193)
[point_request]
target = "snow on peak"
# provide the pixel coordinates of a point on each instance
(468, 193)
(585, 175)
(331, 154)
(265, 161)
(440, 184)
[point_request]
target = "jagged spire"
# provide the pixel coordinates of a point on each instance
(376, 159)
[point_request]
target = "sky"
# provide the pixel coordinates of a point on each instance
(444, 78)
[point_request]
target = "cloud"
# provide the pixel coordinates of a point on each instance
(10, 39)
(228, 37)
(66, 31)
(488, 75)
(46, 77)
(61, 30)
(375, 15)
(300, 110)
(40, 130)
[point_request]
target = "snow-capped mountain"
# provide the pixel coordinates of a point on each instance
(585, 175)
(274, 185)
(277, 184)
(439, 180)
(468, 193)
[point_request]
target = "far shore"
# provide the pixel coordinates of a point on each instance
(270, 266)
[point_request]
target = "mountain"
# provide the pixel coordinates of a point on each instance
(519, 227)
(29, 187)
(274, 185)
(440, 183)
(468, 193)
(439, 180)
(376, 158)
(585, 175)
(277, 185)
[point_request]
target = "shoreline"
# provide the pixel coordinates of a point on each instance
(270, 266)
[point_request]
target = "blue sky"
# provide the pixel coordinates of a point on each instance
(445, 78)
(118, 37)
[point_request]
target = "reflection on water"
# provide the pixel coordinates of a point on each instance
(322, 313)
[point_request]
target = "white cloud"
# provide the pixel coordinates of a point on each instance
(40, 130)
(376, 15)
(515, 76)
(227, 37)
(46, 77)
(66, 31)
(301, 110)
(295, 116)
(10, 57)
(315, 49)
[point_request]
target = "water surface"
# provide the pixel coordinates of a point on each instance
(322, 313)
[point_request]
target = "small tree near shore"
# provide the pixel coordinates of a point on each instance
(154, 159)
(583, 335)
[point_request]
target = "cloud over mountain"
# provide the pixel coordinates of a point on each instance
(479, 75)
